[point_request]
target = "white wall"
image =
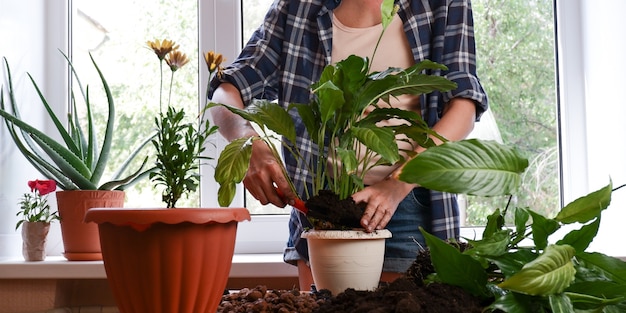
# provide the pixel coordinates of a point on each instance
(28, 30)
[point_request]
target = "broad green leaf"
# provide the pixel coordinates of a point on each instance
(455, 268)
(309, 118)
(613, 268)
(542, 228)
(348, 160)
(378, 139)
(581, 239)
(521, 218)
(231, 168)
(516, 303)
(586, 208)
(560, 303)
(512, 262)
(331, 99)
(471, 166)
(549, 274)
(495, 221)
(494, 245)
(274, 117)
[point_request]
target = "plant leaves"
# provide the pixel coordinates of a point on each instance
(231, 168)
(472, 166)
(548, 274)
(456, 268)
(612, 268)
(595, 294)
(379, 139)
(274, 117)
(581, 239)
(586, 208)
(542, 228)
(560, 303)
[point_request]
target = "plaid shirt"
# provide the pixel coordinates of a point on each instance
(289, 51)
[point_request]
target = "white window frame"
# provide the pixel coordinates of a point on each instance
(589, 64)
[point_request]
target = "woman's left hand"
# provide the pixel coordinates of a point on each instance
(382, 201)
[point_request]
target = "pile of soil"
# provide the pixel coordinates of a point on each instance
(407, 294)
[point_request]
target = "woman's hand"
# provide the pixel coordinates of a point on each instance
(382, 201)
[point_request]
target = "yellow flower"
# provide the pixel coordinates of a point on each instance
(176, 60)
(162, 48)
(213, 61)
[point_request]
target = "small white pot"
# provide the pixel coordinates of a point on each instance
(342, 259)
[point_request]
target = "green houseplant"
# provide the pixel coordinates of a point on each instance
(525, 265)
(336, 123)
(77, 162)
(184, 253)
(36, 217)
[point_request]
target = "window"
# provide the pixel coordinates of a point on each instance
(589, 61)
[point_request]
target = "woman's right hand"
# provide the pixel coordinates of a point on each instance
(264, 175)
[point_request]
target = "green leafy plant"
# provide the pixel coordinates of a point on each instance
(336, 124)
(179, 144)
(515, 268)
(79, 160)
(34, 206)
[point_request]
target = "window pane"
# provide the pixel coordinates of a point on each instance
(516, 64)
(115, 33)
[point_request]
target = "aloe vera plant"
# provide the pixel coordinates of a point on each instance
(79, 160)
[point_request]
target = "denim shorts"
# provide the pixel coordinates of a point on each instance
(400, 250)
(407, 240)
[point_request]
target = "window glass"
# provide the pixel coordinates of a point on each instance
(115, 33)
(516, 64)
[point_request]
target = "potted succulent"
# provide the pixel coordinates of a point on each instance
(35, 219)
(336, 123)
(77, 162)
(183, 253)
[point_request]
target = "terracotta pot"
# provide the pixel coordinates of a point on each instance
(80, 240)
(342, 259)
(34, 235)
(167, 260)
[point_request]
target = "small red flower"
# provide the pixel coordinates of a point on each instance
(43, 187)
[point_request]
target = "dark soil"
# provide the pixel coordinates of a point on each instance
(406, 294)
(327, 211)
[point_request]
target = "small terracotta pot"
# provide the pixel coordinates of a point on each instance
(80, 240)
(34, 235)
(342, 259)
(167, 260)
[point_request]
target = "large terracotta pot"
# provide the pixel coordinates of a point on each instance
(342, 259)
(167, 260)
(80, 240)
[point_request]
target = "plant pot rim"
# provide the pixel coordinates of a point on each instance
(345, 234)
(147, 216)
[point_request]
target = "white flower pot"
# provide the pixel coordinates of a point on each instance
(342, 259)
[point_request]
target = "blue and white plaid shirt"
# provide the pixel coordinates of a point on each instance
(289, 51)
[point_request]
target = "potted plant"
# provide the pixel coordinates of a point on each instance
(336, 123)
(77, 162)
(183, 253)
(35, 219)
(522, 264)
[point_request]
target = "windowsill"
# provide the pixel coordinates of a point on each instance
(57, 267)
